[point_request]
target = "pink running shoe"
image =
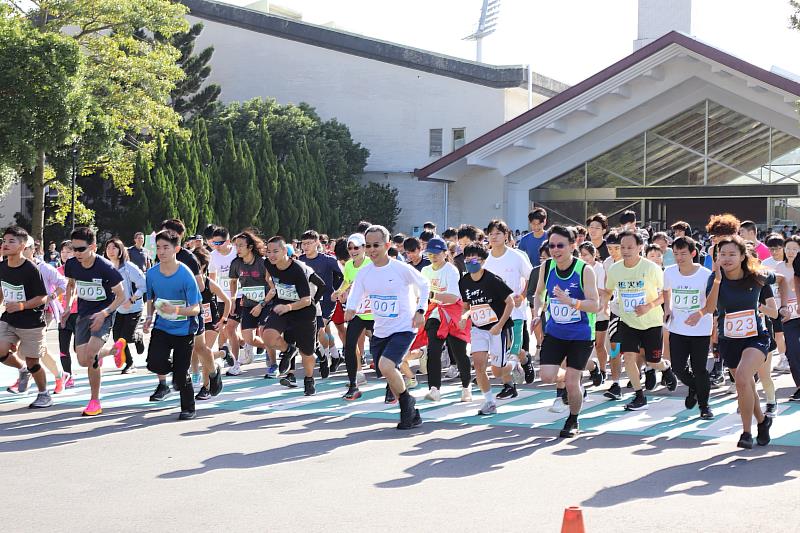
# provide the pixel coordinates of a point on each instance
(93, 409)
(59, 388)
(119, 352)
(69, 383)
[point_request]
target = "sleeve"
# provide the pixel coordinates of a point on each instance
(658, 277)
(356, 292)
(192, 263)
(461, 290)
(316, 280)
(190, 288)
(36, 287)
(500, 287)
(419, 281)
(610, 282)
(526, 267)
(770, 278)
(233, 273)
(601, 276)
(710, 284)
(452, 281)
(68, 269)
(301, 281)
(137, 277)
(765, 294)
(668, 279)
(338, 275)
(149, 284)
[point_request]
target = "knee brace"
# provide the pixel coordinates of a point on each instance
(35, 368)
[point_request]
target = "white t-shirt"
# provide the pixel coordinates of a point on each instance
(220, 264)
(600, 276)
(788, 273)
(514, 268)
(771, 264)
(688, 294)
(442, 281)
(395, 292)
(613, 305)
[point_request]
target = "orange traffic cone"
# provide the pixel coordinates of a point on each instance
(573, 521)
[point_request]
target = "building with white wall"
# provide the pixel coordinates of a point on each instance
(407, 106)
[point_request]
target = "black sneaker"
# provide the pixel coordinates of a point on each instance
(308, 386)
(597, 376)
(717, 379)
(614, 392)
(691, 399)
(650, 379)
(706, 414)
(671, 379)
(352, 393)
(229, 360)
(771, 410)
(530, 372)
(639, 403)
(138, 341)
(215, 382)
(324, 367)
(570, 428)
(286, 358)
(409, 415)
(389, 398)
(203, 394)
(161, 393)
(745, 441)
(335, 362)
(795, 397)
(509, 391)
(762, 437)
(289, 381)
(187, 415)
(629, 385)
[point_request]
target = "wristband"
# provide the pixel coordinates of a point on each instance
(21, 306)
(578, 304)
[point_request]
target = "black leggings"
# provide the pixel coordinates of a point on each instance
(125, 328)
(65, 335)
(685, 351)
(457, 349)
(354, 329)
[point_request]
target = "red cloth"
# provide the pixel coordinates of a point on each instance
(449, 317)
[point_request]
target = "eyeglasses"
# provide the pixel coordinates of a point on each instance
(376, 246)
(554, 245)
(217, 243)
(353, 247)
(80, 249)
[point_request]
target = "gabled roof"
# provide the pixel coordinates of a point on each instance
(673, 38)
(498, 77)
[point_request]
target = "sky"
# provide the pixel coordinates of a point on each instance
(568, 40)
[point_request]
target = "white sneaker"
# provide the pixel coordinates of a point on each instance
(249, 353)
(361, 379)
(411, 383)
(731, 389)
(235, 370)
(558, 406)
(452, 372)
(783, 364)
(517, 374)
(423, 362)
(488, 408)
(433, 395)
(466, 395)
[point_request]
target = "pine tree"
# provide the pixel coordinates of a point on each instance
(139, 214)
(199, 177)
(222, 198)
(248, 197)
(186, 203)
(190, 96)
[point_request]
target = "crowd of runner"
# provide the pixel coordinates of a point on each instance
(571, 305)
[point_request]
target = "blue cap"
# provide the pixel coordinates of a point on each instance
(290, 250)
(436, 246)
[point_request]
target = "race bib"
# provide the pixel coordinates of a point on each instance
(159, 303)
(286, 292)
(225, 284)
(482, 315)
(741, 324)
(631, 300)
(563, 313)
(791, 305)
(91, 291)
(206, 313)
(365, 307)
(255, 294)
(686, 300)
(13, 293)
(384, 306)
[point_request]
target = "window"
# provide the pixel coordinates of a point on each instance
(459, 138)
(436, 143)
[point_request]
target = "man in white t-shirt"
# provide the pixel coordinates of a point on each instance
(685, 285)
(398, 297)
(514, 268)
(222, 255)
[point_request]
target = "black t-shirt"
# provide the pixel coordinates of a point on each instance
(489, 290)
(422, 264)
(187, 258)
(138, 258)
(252, 280)
(458, 262)
(93, 285)
(602, 250)
(291, 285)
(20, 284)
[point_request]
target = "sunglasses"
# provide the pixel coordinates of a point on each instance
(353, 247)
(473, 261)
(558, 245)
(376, 246)
(80, 249)
(217, 243)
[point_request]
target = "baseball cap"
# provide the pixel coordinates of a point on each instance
(436, 246)
(357, 239)
(29, 243)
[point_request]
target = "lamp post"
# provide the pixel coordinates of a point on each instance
(74, 177)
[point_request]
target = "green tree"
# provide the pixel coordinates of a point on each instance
(267, 177)
(191, 97)
(378, 204)
(199, 175)
(222, 198)
(248, 198)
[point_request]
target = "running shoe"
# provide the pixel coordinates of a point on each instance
(409, 415)
(638, 403)
(745, 441)
(249, 354)
(671, 380)
(93, 408)
(650, 379)
(286, 358)
(161, 393)
(488, 408)
(289, 381)
(203, 394)
(614, 392)
(235, 370)
(411, 383)
(762, 437)
(272, 372)
(530, 372)
(571, 428)
(187, 415)
(119, 352)
(308, 386)
(215, 381)
(509, 391)
(138, 341)
(324, 366)
(452, 372)
(227, 356)
(433, 395)
(731, 389)
(389, 399)
(352, 393)
(706, 414)
(335, 362)
(793, 398)
(129, 369)
(691, 399)
(466, 395)
(69, 383)
(771, 410)
(783, 364)
(517, 374)
(361, 379)
(21, 385)
(717, 379)
(597, 376)
(42, 400)
(559, 405)
(59, 388)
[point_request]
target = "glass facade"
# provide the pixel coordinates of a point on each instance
(708, 145)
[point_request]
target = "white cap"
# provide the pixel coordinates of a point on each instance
(357, 239)
(29, 243)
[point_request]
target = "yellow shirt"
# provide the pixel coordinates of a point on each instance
(637, 286)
